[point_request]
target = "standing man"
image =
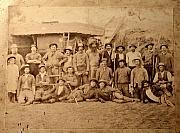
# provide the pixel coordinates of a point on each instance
(122, 78)
(26, 87)
(148, 58)
(138, 74)
(81, 65)
(166, 58)
(52, 62)
(94, 58)
(107, 53)
(104, 72)
(33, 59)
(130, 56)
(19, 58)
(120, 55)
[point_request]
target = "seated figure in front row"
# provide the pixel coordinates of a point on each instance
(85, 92)
(43, 87)
(163, 85)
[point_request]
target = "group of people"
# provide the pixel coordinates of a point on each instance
(90, 75)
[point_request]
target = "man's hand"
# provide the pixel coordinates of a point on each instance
(86, 73)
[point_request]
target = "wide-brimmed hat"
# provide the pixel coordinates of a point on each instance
(80, 45)
(132, 45)
(14, 46)
(70, 67)
(10, 56)
(146, 46)
(92, 41)
(33, 45)
(104, 81)
(41, 65)
(120, 46)
(94, 79)
(137, 59)
(24, 66)
(104, 59)
(151, 96)
(110, 44)
(122, 60)
(61, 78)
(161, 64)
(164, 45)
(53, 44)
(68, 48)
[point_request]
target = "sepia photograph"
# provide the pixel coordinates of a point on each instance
(89, 69)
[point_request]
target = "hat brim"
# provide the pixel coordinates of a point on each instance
(132, 46)
(52, 45)
(121, 47)
(148, 45)
(10, 58)
(108, 44)
(95, 80)
(163, 45)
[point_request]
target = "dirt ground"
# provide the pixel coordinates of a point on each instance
(94, 115)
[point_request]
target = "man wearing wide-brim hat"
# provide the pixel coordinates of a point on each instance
(163, 82)
(81, 65)
(138, 74)
(33, 59)
(26, 86)
(122, 77)
(19, 59)
(68, 58)
(104, 92)
(148, 57)
(12, 78)
(104, 72)
(108, 53)
(42, 84)
(131, 55)
(165, 57)
(52, 61)
(94, 58)
(120, 55)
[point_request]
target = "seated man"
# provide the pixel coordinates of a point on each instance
(163, 84)
(84, 92)
(26, 87)
(71, 78)
(42, 83)
(104, 92)
(61, 91)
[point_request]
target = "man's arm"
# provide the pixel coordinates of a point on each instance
(22, 60)
(155, 78)
(87, 63)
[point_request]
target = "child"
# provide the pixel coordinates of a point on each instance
(104, 92)
(104, 72)
(12, 74)
(122, 78)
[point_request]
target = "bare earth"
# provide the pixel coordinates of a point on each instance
(96, 115)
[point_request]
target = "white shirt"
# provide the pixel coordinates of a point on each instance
(130, 56)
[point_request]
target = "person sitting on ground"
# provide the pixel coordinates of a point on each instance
(104, 72)
(85, 92)
(163, 84)
(42, 83)
(61, 91)
(104, 92)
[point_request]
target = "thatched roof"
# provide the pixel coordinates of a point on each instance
(49, 28)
